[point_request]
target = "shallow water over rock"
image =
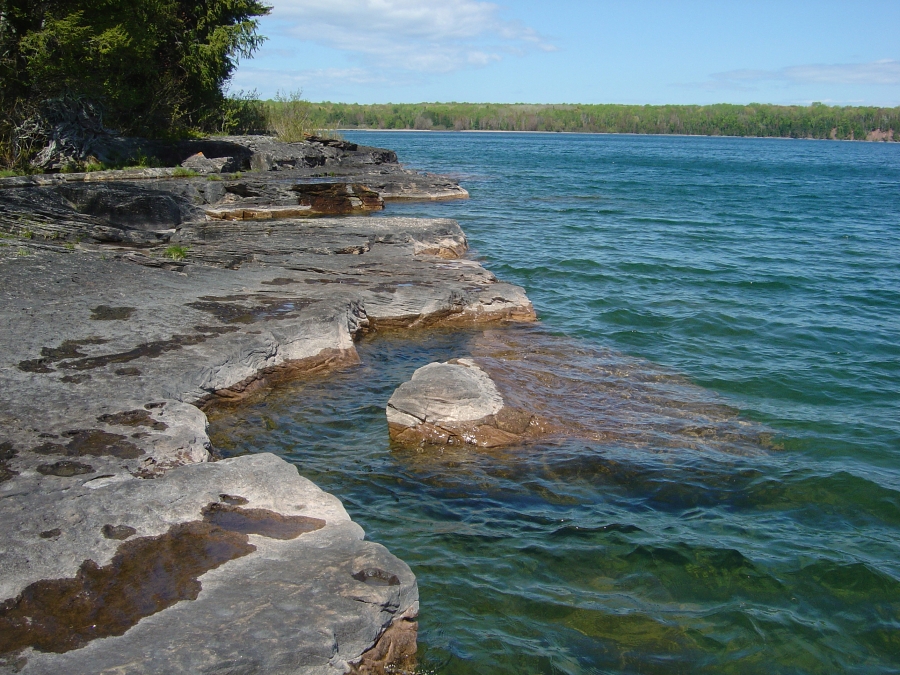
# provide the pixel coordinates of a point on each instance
(659, 532)
(734, 510)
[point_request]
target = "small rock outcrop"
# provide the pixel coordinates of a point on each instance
(456, 403)
(203, 164)
(234, 566)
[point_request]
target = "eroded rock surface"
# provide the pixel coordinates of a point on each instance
(126, 306)
(235, 566)
(456, 403)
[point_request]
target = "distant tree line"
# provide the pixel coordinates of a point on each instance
(814, 121)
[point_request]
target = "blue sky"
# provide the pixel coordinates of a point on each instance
(580, 51)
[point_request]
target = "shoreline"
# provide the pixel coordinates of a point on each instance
(127, 316)
(608, 133)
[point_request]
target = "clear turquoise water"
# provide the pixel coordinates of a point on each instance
(751, 282)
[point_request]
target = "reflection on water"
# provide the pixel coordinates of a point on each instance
(662, 533)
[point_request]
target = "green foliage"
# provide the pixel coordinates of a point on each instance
(156, 67)
(176, 252)
(289, 117)
(815, 121)
(241, 113)
(181, 172)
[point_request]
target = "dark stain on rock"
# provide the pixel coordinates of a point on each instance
(69, 349)
(155, 406)
(75, 379)
(227, 310)
(49, 448)
(260, 521)
(374, 576)
(353, 250)
(118, 532)
(92, 442)
(150, 350)
(147, 575)
(350, 281)
(216, 330)
(7, 452)
(107, 313)
(65, 468)
(130, 371)
(133, 418)
(36, 366)
(51, 534)
(234, 500)
(280, 281)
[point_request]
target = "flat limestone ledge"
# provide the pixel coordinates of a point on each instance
(457, 403)
(101, 358)
(103, 363)
(240, 565)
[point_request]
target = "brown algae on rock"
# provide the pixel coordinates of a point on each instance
(145, 576)
(260, 521)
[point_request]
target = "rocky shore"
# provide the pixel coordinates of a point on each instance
(132, 301)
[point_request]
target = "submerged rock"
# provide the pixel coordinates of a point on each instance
(456, 403)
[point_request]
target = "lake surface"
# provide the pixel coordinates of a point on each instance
(723, 316)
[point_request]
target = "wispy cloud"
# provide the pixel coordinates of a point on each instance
(326, 79)
(884, 72)
(427, 36)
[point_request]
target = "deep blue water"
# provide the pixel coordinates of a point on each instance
(756, 284)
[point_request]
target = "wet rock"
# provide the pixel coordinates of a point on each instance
(96, 442)
(269, 584)
(133, 418)
(107, 313)
(454, 403)
(7, 452)
(243, 304)
(65, 468)
(118, 532)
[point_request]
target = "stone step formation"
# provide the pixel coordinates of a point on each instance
(132, 302)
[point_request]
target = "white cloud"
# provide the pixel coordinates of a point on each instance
(413, 35)
(884, 72)
(249, 78)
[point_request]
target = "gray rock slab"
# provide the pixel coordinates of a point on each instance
(87, 333)
(123, 308)
(291, 606)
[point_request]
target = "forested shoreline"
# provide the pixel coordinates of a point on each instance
(815, 121)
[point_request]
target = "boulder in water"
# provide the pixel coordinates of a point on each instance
(455, 403)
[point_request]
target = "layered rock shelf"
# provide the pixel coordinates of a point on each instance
(133, 300)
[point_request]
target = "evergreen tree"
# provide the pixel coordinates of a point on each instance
(153, 66)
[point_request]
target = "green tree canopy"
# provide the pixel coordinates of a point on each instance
(154, 66)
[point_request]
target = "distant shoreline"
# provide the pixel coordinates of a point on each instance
(607, 133)
(758, 120)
